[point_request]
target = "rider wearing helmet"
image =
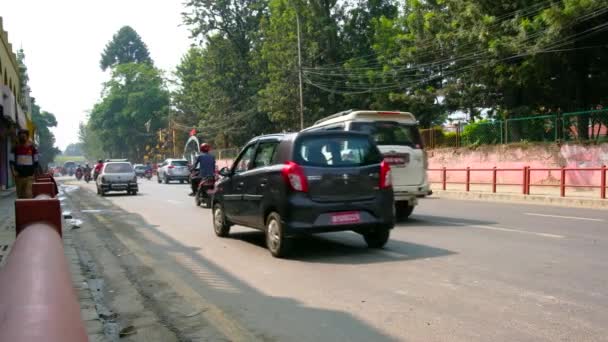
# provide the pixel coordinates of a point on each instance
(206, 163)
(97, 169)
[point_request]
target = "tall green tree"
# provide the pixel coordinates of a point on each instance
(44, 121)
(134, 100)
(125, 47)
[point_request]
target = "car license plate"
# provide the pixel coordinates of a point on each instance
(350, 217)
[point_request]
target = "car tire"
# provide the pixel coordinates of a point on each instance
(221, 226)
(166, 180)
(278, 245)
(158, 178)
(403, 210)
(377, 238)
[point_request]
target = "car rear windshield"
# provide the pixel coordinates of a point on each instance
(390, 133)
(179, 163)
(336, 151)
(140, 167)
(118, 168)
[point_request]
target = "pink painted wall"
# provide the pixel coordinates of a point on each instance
(516, 157)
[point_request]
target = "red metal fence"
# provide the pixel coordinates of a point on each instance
(525, 175)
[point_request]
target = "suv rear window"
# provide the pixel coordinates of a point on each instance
(336, 151)
(390, 133)
(118, 168)
(179, 163)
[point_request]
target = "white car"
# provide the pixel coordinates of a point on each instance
(398, 138)
(173, 170)
(117, 176)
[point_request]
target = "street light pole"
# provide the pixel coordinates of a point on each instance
(300, 70)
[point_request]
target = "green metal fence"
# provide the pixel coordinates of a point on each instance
(584, 126)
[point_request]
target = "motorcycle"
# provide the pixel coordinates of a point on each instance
(87, 176)
(205, 191)
(78, 174)
(148, 174)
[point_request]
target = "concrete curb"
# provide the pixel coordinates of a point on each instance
(572, 202)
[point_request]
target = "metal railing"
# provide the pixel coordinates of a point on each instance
(583, 126)
(37, 299)
(524, 176)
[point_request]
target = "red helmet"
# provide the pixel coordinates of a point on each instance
(205, 147)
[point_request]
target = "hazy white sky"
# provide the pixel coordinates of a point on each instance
(63, 41)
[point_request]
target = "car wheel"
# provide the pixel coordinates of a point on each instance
(166, 180)
(220, 224)
(158, 178)
(403, 210)
(377, 238)
(276, 242)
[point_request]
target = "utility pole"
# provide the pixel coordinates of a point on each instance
(300, 70)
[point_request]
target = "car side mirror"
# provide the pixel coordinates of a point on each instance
(225, 172)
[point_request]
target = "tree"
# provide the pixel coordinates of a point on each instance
(134, 97)
(74, 150)
(46, 140)
(91, 142)
(125, 47)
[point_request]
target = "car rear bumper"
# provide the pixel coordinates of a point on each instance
(304, 216)
(120, 187)
(411, 192)
(178, 177)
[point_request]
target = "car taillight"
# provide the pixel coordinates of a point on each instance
(385, 175)
(171, 167)
(294, 176)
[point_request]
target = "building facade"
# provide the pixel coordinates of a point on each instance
(12, 114)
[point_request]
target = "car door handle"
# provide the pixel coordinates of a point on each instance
(263, 183)
(240, 185)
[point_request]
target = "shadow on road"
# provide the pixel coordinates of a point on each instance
(346, 248)
(441, 222)
(269, 318)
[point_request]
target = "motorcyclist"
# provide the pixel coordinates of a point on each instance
(87, 168)
(98, 168)
(79, 172)
(206, 164)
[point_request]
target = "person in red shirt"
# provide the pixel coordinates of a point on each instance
(24, 164)
(98, 168)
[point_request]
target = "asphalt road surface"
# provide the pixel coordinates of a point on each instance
(457, 271)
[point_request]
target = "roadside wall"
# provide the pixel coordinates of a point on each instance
(518, 156)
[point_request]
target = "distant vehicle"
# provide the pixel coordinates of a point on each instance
(398, 138)
(69, 168)
(117, 176)
(314, 182)
(140, 169)
(173, 170)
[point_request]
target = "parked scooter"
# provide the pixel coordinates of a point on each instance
(204, 192)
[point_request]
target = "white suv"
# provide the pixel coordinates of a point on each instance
(398, 138)
(173, 170)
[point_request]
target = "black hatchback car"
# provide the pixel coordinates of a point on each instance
(304, 183)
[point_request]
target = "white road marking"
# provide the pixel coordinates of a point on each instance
(502, 229)
(175, 202)
(566, 217)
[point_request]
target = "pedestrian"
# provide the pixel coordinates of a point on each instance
(24, 164)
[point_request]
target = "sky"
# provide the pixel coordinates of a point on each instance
(63, 41)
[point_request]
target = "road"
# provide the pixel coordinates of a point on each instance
(457, 271)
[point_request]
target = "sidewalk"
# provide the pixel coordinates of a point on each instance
(577, 198)
(87, 304)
